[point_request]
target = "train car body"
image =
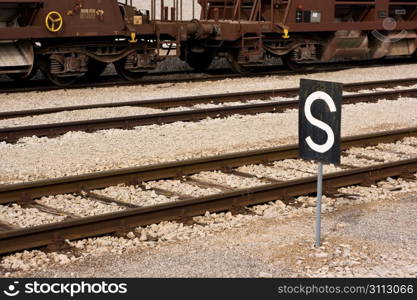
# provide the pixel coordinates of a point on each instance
(306, 31)
(69, 39)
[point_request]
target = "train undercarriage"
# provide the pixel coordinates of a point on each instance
(303, 33)
(63, 64)
(65, 58)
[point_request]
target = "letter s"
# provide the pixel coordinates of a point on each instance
(307, 111)
(123, 288)
(29, 288)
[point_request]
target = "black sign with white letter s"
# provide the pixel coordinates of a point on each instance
(319, 120)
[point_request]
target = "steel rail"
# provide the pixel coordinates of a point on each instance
(13, 134)
(9, 87)
(21, 239)
(152, 78)
(25, 192)
(165, 103)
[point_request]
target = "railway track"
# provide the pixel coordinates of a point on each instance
(9, 87)
(12, 239)
(13, 134)
(39, 85)
(151, 78)
(165, 103)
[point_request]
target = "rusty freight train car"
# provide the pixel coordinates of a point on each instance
(306, 31)
(71, 39)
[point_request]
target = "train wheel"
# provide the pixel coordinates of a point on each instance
(59, 80)
(127, 74)
(32, 70)
(295, 66)
(199, 61)
(24, 77)
(239, 68)
(291, 65)
(95, 69)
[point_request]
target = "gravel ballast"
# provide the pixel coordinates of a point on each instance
(179, 187)
(78, 205)
(26, 217)
(78, 153)
(275, 241)
(135, 195)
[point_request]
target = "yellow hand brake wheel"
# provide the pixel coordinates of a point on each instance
(54, 21)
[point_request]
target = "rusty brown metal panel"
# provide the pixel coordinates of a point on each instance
(328, 23)
(363, 26)
(86, 21)
(94, 18)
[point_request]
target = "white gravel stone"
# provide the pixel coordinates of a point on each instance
(273, 172)
(304, 166)
(276, 209)
(182, 188)
(32, 260)
(410, 141)
(228, 180)
(78, 205)
(353, 260)
(407, 146)
(372, 152)
(355, 161)
(135, 195)
(26, 217)
(286, 169)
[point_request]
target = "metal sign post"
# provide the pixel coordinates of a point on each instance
(319, 130)
(319, 199)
